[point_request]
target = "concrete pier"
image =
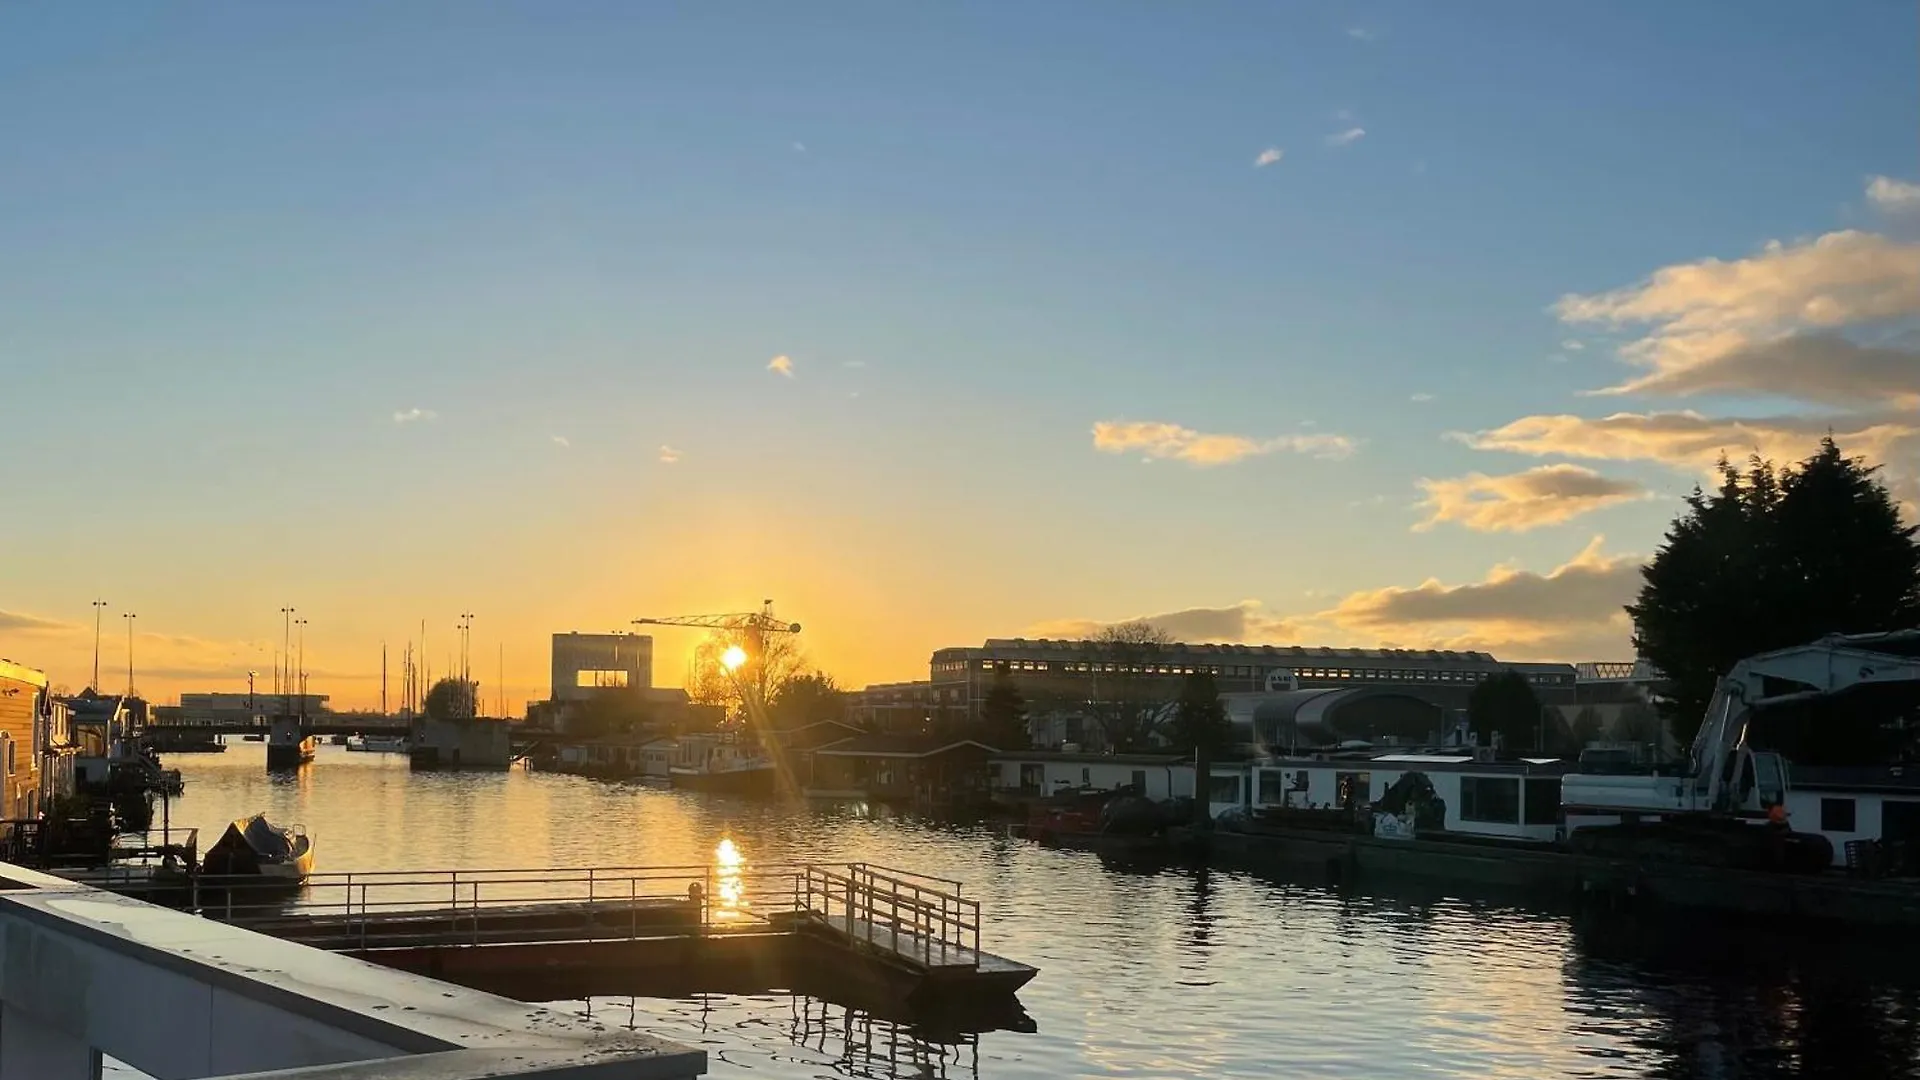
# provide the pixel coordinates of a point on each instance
(84, 972)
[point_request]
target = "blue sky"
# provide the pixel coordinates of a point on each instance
(237, 242)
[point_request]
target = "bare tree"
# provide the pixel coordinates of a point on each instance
(1126, 693)
(772, 661)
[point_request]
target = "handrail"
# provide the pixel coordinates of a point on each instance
(912, 916)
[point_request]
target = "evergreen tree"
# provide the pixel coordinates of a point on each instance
(1775, 557)
(1003, 713)
(1200, 717)
(1505, 703)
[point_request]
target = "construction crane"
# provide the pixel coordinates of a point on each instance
(761, 621)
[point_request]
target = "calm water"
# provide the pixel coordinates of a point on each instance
(1146, 972)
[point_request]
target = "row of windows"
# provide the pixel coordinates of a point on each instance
(1496, 799)
(1245, 671)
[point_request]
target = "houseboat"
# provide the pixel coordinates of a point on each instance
(723, 765)
(1465, 791)
(288, 744)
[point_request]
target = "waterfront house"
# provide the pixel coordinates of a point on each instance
(461, 743)
(901, 768)
(23, 724)
(1872, 807)
(1476, 792)
(616, 756)
(1034, 773)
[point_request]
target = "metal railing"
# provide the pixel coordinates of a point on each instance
(915, 916)
(910, 915)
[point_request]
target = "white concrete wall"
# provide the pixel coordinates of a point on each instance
(84, 972)
(1803, 814)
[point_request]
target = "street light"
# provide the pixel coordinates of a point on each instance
(97, 605)
(129, 616)
(301, 685)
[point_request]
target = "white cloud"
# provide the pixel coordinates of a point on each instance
(1771, 324)
(1546, 495)
(1422, 396)
(800, 147)
(408, 416)
(1269, 156)
(1572, 611)
(1157, 439)
(1896, 196)
(668, 455)
(1348, 137)
(782, 364)
(1573, 345)
(1361, 33)
(1689, 440)
(560, 441)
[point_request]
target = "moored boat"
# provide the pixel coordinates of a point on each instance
(288, 745)
(378, 744)
(254, 847)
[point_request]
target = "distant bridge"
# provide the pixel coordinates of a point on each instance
(330, 724)
(1616, 671)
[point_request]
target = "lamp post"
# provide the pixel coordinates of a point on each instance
(129, 616)
(301, 684)
(97, 606)
(286, 651)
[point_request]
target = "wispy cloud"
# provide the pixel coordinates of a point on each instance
(1573, 345)
(1362, 33)
(799, 147)
(408, 416)
(1546, 495)
(1689, 440)
(668, 455)
(1890, 194)
(1247, 621)
(782, 364)
(1348, 137)
(853, 363)
(1269, 156)
(22, 623)
(1422, 396)
(561, 441)
(1157, 439)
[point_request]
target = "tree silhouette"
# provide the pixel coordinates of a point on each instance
(1505, 704)
(1200, 728)
(1774, 557)
(807, 699)
(1126, 692)
(450, 698)
(1003, 713)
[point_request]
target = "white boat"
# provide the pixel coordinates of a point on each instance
(255, 847)
(378, 744)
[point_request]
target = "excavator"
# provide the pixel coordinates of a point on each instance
(1725, 805)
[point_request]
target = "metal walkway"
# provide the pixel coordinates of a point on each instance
(922, 922)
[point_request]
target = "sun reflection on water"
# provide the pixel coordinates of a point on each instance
(730, 898)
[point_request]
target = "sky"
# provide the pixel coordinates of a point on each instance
(1327, 324)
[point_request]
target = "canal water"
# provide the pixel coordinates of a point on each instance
(1146, 971)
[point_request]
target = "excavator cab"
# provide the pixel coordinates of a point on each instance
(1756, 781)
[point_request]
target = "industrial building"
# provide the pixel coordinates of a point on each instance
(588, 665)
(1058, 678)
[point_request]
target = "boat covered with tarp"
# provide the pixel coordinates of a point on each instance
(255, 847)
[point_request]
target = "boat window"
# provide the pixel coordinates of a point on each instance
(1836, 815)
(1543, 801)
(1490, 798)
(1273, 787)
(1223, 789)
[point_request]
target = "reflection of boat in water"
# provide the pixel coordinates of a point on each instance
(378, 744)
(255, 847)
(727, 768)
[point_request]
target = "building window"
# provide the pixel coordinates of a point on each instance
(1273, 787)
(1836, 815)
(1494, 799)
(9, 757)
(1543, 801)
(1223, 789)
(1139, 781)
(1086, 776)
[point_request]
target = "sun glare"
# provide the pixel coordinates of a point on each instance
(731, 660)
